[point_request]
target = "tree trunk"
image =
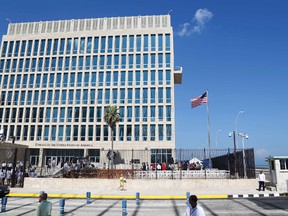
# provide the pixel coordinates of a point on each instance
(112, 159)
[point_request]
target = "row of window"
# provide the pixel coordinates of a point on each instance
(83, 114)
(85, 96)
(157, 155)
(80, 79)
(101, 62)
(82, 45)
(150, 132)
(161, 155)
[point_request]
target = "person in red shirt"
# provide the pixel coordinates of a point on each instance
(163, 166)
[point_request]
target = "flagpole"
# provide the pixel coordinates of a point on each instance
(209, 144)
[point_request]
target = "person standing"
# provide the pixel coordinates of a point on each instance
(45, 207)
(8, 177)
(2, 177)
(122, 182)
(261, 179)
(48, 165)
(193, 209)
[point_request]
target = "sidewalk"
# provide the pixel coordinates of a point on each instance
(148, 188)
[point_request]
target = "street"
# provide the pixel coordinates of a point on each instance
(247, 206)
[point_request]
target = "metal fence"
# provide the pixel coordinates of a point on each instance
(135, 161)
(234, 162)
(131, 161)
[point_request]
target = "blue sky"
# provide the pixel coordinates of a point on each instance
(236, 49)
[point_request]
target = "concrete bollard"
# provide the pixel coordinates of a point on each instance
(88, 196)
(3, 202)
(124, 206)
(187, 199)
(62, 204)
(137, 198)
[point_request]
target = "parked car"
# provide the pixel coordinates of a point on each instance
(4, 190)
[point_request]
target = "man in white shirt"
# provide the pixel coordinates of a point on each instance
(261, 179)
(193, 209)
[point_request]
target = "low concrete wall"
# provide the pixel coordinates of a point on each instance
(160, 186)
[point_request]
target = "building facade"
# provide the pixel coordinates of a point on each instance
(278, 169)
(57, 77)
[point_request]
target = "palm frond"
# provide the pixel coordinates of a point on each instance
(112, 116)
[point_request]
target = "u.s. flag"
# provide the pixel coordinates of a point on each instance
(199, 100)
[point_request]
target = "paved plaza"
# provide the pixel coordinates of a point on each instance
(157, 197)
(106, 207)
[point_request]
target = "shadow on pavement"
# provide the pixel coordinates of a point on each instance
(248, 207)
(266, 203)
(109, 207)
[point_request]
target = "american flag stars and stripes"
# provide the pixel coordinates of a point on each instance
(199, 100)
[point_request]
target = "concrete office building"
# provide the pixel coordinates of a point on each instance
(57, 77)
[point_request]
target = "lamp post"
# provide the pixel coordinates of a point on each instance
(236, 123)
(243, 136)
(234, 153)
(234, 134)
(219, 130)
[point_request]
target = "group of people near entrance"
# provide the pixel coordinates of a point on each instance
(158, 166)
(7, 175)
(186, 165)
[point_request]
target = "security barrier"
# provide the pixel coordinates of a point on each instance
(183, 174)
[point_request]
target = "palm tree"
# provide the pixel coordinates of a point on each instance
(112, 117)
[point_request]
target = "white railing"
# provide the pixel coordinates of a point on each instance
(177, 174)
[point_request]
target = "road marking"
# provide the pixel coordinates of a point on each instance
(151, 197)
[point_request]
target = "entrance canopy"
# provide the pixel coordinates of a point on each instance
(194, 160)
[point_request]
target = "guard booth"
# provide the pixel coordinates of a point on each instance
(278, 168)
(13, 158)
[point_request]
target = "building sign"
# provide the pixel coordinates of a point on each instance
(62, 145)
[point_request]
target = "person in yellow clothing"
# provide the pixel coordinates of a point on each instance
(122, 182)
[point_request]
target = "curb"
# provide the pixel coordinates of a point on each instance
(257, 195)
(149, 197)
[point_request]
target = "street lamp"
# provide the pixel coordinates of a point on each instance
(234, 134)
(236, 122)
(244, 136)
(234, 153)
(219, 130)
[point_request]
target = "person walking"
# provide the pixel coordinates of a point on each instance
(261, 179)
(45, 207)
(122, 182)
(193, 209)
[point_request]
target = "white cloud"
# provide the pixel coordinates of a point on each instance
(185, 29)
(202, 16)
(198, 23)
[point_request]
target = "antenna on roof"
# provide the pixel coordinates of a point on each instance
(169, 12)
